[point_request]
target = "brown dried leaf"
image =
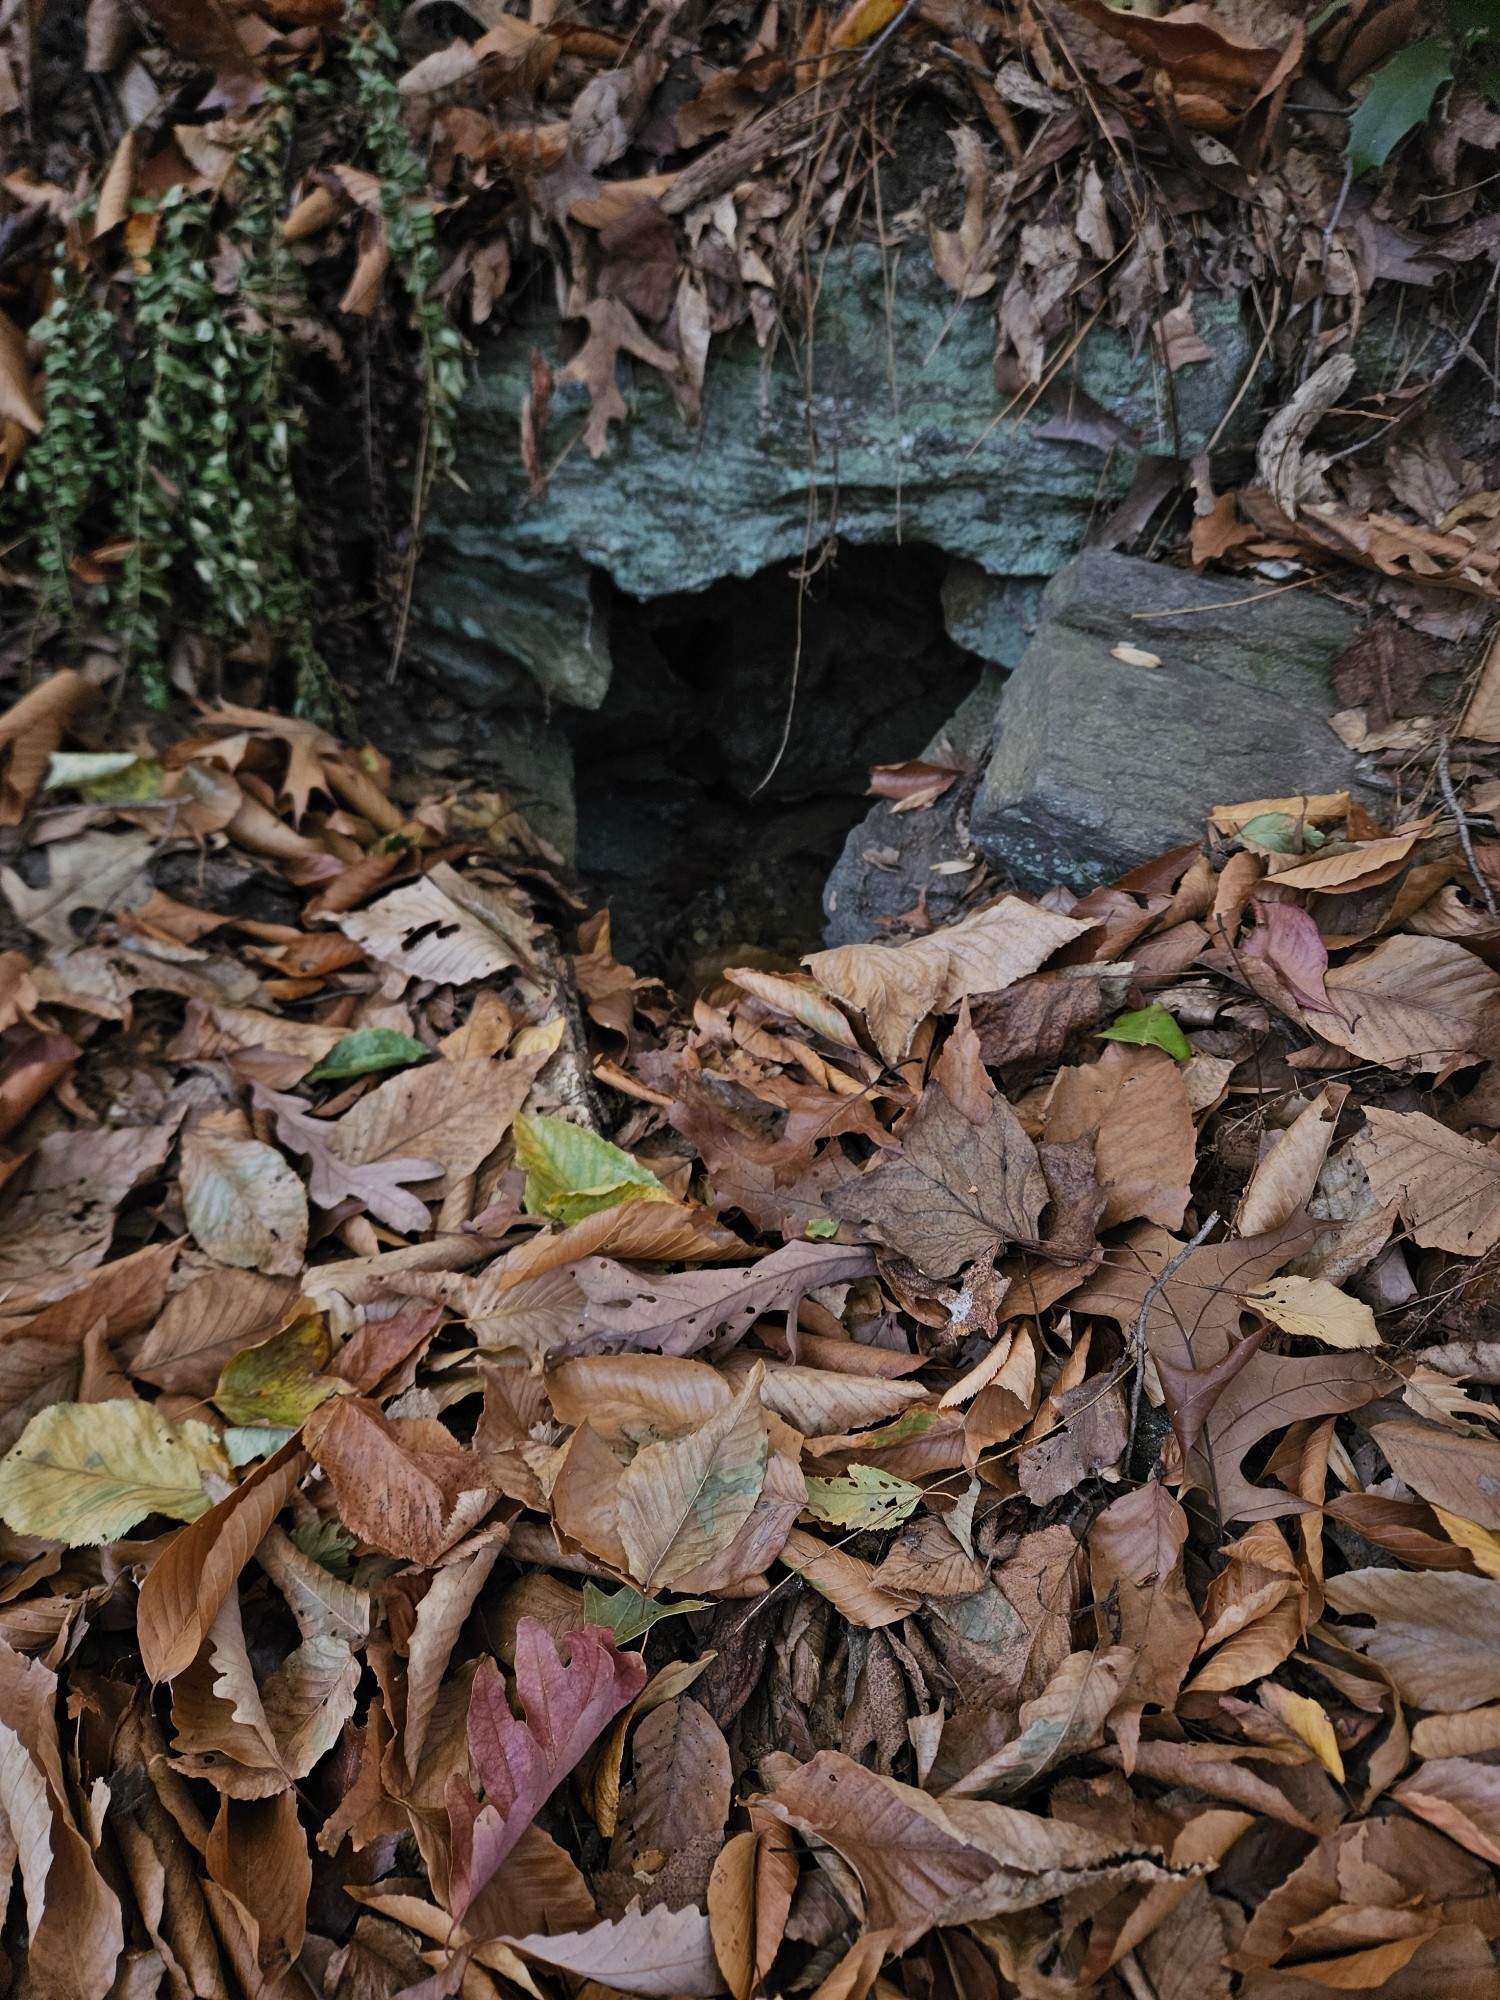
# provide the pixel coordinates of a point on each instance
(1413, 1003)
(403, 1484)
(1141, 1600)
(1132, 1103)
(968, 1178)
(1437, 1634)
(898, 986)
(1447, 1187)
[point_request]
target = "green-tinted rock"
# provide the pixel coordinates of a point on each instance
(922, 451)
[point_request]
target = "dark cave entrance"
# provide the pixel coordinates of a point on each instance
(697, 853)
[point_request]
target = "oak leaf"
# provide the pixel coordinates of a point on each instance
(520, 1764)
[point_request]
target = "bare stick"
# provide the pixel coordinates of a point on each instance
(1450, 800)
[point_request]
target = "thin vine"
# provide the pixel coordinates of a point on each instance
(412, 237)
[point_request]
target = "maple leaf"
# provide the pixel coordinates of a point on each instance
(520, 1764)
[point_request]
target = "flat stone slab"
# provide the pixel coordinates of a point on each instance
(1099, 765)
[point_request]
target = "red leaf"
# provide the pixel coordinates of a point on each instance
(520, 1764)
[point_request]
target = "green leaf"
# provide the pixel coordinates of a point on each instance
(823, 1228)
(105, 777)
(280, 1381)
(367, 1050)
(1398, 101)
(865, 1497)
(1152, 1026)
(628, 1614)
(244, 1443)
(572, 1173)
(1282, 833)
(85, 1473)
(327, 1543)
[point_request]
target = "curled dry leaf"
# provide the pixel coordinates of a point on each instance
(897, 986)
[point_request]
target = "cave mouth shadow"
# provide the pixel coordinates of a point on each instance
(678, 832)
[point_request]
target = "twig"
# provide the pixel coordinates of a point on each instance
(1250, 374)
(1434, 381)
(1450, 800)
(1228, 603)
(1153, 1293)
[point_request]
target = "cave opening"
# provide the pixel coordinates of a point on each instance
(705, 834)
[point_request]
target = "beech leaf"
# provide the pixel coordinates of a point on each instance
(85, 1473)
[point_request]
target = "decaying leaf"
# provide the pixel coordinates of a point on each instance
(896, 986)
(968, 1179)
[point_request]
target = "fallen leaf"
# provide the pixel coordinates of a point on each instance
(1066, 1717)
(1285, 1177)
(1132, 1104)
(1414, 1003)
(655, 1953)
(612, 327)
(1455, 1472)
(96, 872)
(332, 1178)
(1435, 1632)
(85, 1473)
(1141, 1600)
(205, 1325)
(403, 1484)
(683, 1502)
(571, 1173)
(679, 1312)
(967, 1180)
(427, 933)
(455, 1112)
(1446, 1187)
(1459, 1798)
(243, 1203)
(1193, 1324)
(1313, 1309)
(897, 986)
(520, 1764)
(864, 1497)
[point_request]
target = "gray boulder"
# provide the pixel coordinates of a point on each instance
(1099, 765)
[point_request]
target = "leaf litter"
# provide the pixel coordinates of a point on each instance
(460, 1533)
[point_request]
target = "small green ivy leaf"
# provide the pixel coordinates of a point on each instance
(1398, 101)
(823, 1228)
(1152, 1026)
(365, 1050)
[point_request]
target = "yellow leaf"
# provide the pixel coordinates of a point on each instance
(88, 1472)
(1306, 1720)
(861, 19)
(280, 1380)
(1483, 1544)
(1315, 1310)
